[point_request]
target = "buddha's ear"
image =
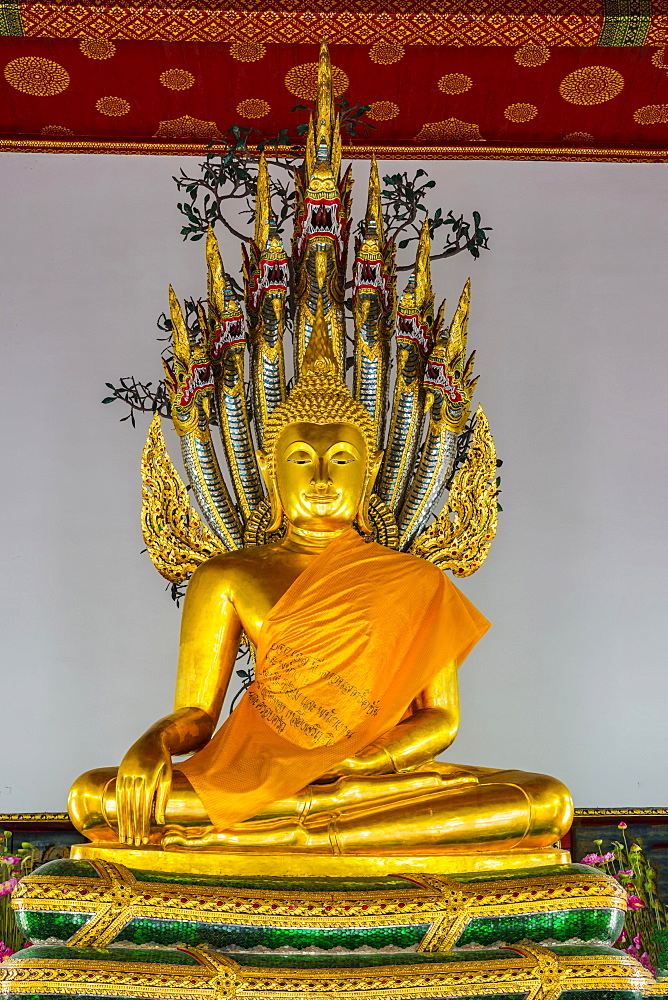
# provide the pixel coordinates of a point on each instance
(374, 466)
(263, 462)
(363, 512)
(270, 482)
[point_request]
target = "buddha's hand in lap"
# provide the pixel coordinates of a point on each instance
(372, 760)
(143, 785)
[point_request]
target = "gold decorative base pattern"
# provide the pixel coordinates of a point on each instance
(537, 972)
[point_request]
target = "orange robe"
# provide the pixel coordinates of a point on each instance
(340, 658)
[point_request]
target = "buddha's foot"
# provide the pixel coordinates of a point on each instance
(287, 836)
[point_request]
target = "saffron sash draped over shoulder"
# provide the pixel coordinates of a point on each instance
(340, 657)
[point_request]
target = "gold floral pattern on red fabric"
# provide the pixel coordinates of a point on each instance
(579, 137)
(520, 112)
(385, 53)
(97, 48)
(383, 111)
(449, 130)
(177, 79)
(651, 114)
(659, 59)
(253, 107)
(187, 127)
(248, 51)
(56, 130)
(37, 76)
(302, 81)
(113, 107)
(455, 83)
(532, 55)
(591, 85)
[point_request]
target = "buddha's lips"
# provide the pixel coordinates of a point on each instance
(320, 497)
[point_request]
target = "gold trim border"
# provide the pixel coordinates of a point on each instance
(114, 147)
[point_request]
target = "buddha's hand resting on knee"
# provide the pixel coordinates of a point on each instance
(143, 785)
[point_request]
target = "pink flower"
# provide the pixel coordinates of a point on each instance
(11, 859)
(5, 951)
(629, 872)
(8, 886)
(635, 903)
(608, 857)
(591, 859)
(645, 962)
(622, 825)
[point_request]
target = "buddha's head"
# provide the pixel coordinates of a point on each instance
(320, 460)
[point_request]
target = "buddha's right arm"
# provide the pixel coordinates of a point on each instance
(210, 634)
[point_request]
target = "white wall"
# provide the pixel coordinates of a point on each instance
(568, 318)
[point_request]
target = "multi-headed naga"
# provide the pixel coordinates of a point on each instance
(418, 415)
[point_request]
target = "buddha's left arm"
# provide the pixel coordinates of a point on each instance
(428, 731)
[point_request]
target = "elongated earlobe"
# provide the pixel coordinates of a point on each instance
(274, 499)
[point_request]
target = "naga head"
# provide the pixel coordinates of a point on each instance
(319, 460)
(447, 377)
(189, 379)
(415, 312)
(227, 326)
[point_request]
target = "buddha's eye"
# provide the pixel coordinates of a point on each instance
(341, 458)
(300, 458)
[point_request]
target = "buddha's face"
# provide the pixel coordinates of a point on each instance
(321, 474)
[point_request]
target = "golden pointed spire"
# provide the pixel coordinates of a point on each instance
(180, 337)
(262, 205)
(456, 347)
(319, 358)
(374, 212)
(215, 284)
(323, 143)
(423, 288)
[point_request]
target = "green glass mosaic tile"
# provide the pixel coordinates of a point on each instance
(557, 925)
(547, 871)
(38, 926)
(307, 960)
(600, 994)
(146, 955)
(385, 884)
(66, 868)
(148, 931)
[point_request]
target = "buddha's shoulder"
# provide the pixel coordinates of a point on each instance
(413, 566)
(227, 568)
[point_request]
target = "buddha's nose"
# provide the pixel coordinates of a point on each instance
(321, 480)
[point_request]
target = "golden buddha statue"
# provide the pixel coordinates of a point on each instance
(324, 567)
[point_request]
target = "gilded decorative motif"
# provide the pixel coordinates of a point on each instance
(241, 26)
(56, 130)
(520, 112)
(36, 76)
(383, 111)
(444, 905)
(452, 129)
(591, 85)
(579, 137)
(659, 59)
(113, 107)
(253, 107)
(384, 53)
(97, 48)
(248, 51)
(173, 533)
(460, 537)
(177, 79)
(532, 55)
(651, 114)
(302, 81)
(187, 127)
(455, 83)
(524, 969)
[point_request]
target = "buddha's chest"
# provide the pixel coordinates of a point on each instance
(255, 595)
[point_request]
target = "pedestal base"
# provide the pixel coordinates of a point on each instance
(318, 865)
